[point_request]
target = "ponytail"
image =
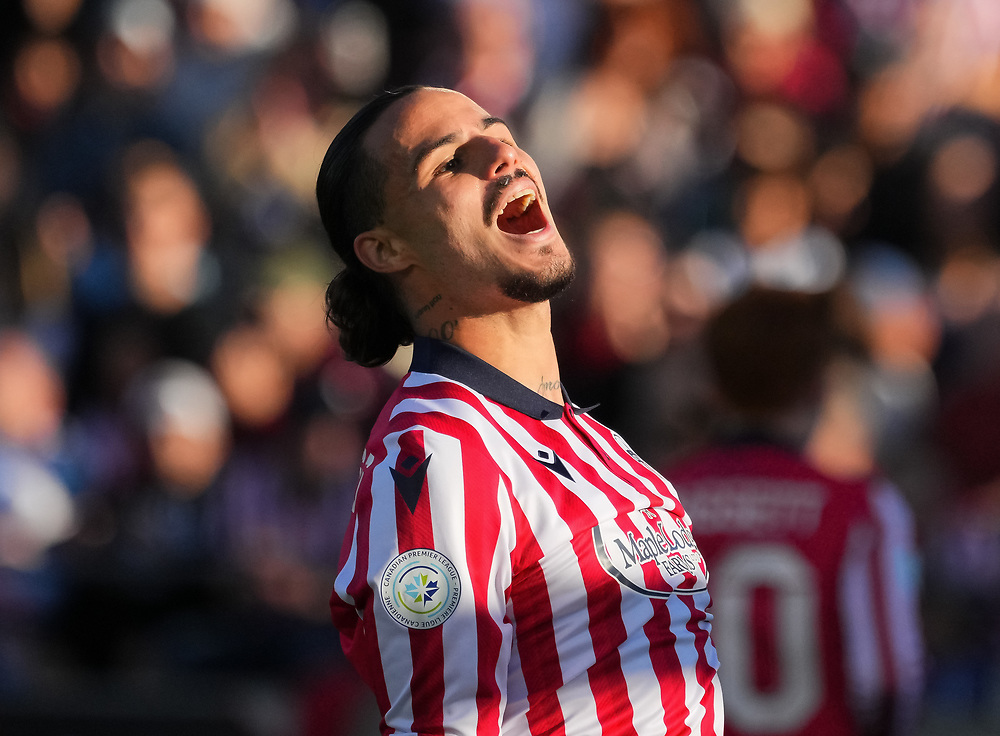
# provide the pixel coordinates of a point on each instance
(362, 305)
(350, 191)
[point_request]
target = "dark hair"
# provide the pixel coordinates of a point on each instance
(768, 348)
(350, 191)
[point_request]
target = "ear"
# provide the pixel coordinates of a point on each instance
(381, 251)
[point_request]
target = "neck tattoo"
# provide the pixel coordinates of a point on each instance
(445, 332)
(427, 307)
(546, 386)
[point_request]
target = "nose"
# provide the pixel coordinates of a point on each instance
(494, 157)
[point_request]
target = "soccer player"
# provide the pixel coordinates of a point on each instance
(511, 567)
(813, 578)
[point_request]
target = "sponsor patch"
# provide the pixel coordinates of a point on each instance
(651, 552)
(421, 588)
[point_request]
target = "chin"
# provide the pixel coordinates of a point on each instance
(534, 287)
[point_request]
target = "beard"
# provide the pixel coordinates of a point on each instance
(532, 288)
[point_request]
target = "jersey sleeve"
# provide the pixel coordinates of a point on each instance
(420, 599)
(880, 608)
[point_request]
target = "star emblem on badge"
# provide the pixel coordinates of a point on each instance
(421, 589)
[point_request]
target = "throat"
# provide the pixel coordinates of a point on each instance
(551, 389)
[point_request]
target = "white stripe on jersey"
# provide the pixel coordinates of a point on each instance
(448, 524)
(499, 607)
(515, 719)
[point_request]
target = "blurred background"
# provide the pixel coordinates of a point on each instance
(179, 433)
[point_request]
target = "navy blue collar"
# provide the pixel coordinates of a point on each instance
(451, 361)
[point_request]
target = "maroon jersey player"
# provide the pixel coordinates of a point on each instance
(812, 577)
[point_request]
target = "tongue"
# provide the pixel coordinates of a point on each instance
(520, 224)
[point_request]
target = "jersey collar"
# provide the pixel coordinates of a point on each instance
(444, 359)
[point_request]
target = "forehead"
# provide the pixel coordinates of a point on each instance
(419, 119)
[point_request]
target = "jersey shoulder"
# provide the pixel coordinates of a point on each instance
(428, 401)
(426, 417)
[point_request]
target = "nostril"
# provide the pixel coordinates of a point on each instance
(506, 161)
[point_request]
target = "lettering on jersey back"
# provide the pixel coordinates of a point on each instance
(754, 506)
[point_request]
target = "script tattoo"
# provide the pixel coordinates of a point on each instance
(427, 307)
(546, 386)
(446, 331)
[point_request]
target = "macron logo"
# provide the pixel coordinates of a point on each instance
(550, 460)
(409, 486)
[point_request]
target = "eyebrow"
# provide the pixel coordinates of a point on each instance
(426, 150)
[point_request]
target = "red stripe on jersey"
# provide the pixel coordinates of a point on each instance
(427, 683)
(409, 473)
(482, 528)
(413, 528)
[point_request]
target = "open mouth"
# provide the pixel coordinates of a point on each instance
(521, 215)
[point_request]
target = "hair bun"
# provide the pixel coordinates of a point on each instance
(363, 307)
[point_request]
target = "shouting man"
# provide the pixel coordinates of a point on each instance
(511, 566)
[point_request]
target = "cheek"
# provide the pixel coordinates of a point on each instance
(444, 224)
(453, 221)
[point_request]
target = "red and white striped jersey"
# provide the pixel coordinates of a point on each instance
(815, 592)
(512, 567)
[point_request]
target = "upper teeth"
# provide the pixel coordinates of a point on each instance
(526, 200)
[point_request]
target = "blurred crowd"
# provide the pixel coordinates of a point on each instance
(179, 433)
